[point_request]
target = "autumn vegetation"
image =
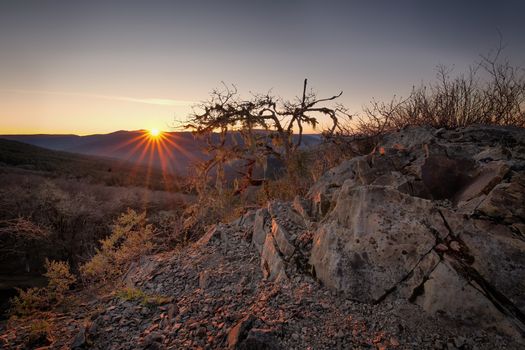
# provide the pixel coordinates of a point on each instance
(256, 153)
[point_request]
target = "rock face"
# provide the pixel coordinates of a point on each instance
(282, 237)
(435, 217)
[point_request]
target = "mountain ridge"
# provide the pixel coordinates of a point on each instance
(180, 149)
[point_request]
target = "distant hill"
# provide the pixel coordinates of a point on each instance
(178, 151)
(109, 171)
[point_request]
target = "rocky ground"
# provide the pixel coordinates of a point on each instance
(220, 299)
(378, 256)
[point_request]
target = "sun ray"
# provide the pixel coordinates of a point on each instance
(180, 149)
(153, 150)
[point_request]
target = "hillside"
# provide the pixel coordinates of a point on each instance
(183, 148)
(58, 205)
(93, 169)
(417, 245)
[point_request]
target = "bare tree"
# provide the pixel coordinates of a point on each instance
(250, 131)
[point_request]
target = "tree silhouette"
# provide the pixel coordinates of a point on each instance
(251, 131)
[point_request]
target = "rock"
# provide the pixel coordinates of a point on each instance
(214, 233)
(432, 218)
(80, 339)
(153, 341)
(240, 331)
(260, 228)
(454, 245)
(271, 262)
(260, 339)
(493, 153)
(173, 310)
(459, 342)
(441, 247)
(440, 296)
(321, 193)
(370, 242)
(282, 239)
(303, 207)
(394, 342)
(286, 212)
(204, 280)
(455, 171)
(489, 176)
(247, 220)
(469, 207)
(502, 202)
(498, 257)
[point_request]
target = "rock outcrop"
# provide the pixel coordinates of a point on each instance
(435, 217)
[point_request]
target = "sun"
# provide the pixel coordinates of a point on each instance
(154, 132)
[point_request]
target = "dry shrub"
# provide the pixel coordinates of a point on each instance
(130, 239)
(211, 207)
(28, 301)
(39, 334)
(491, 92)
(303, 169)
(60, 280)
(168, 227)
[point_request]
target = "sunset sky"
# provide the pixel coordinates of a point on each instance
(88, 67)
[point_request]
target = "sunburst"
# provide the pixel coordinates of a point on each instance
(154, 148)
(154, 133)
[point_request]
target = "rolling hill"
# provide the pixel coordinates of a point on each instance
(177, 153)
(23, 157)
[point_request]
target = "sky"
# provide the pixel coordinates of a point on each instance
(87, 67)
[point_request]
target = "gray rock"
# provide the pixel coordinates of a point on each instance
(505, 201)
(272, 264)
(489, 176)
(370, 242)
(260, 228)
(436, 218)
(260, 339)
(283, 240)
(80, 339)
(239, 332)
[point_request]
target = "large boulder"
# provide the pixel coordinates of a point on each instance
(435, 217)
(373, 239)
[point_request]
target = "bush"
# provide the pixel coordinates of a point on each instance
(212, 206)
(491, 92)
(29, 301)
(39, 334)
(129, 240)
(60, 279)
(59, 282)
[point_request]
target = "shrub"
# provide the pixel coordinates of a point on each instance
(168, 228)
(212, 206)
(60, 279)
(39, 334)
(59, 282)
(129, 240)
(28, 301)
(491, 92)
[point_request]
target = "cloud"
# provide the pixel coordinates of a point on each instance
(150, 101)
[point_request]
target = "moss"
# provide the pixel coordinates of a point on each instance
(137, 295)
